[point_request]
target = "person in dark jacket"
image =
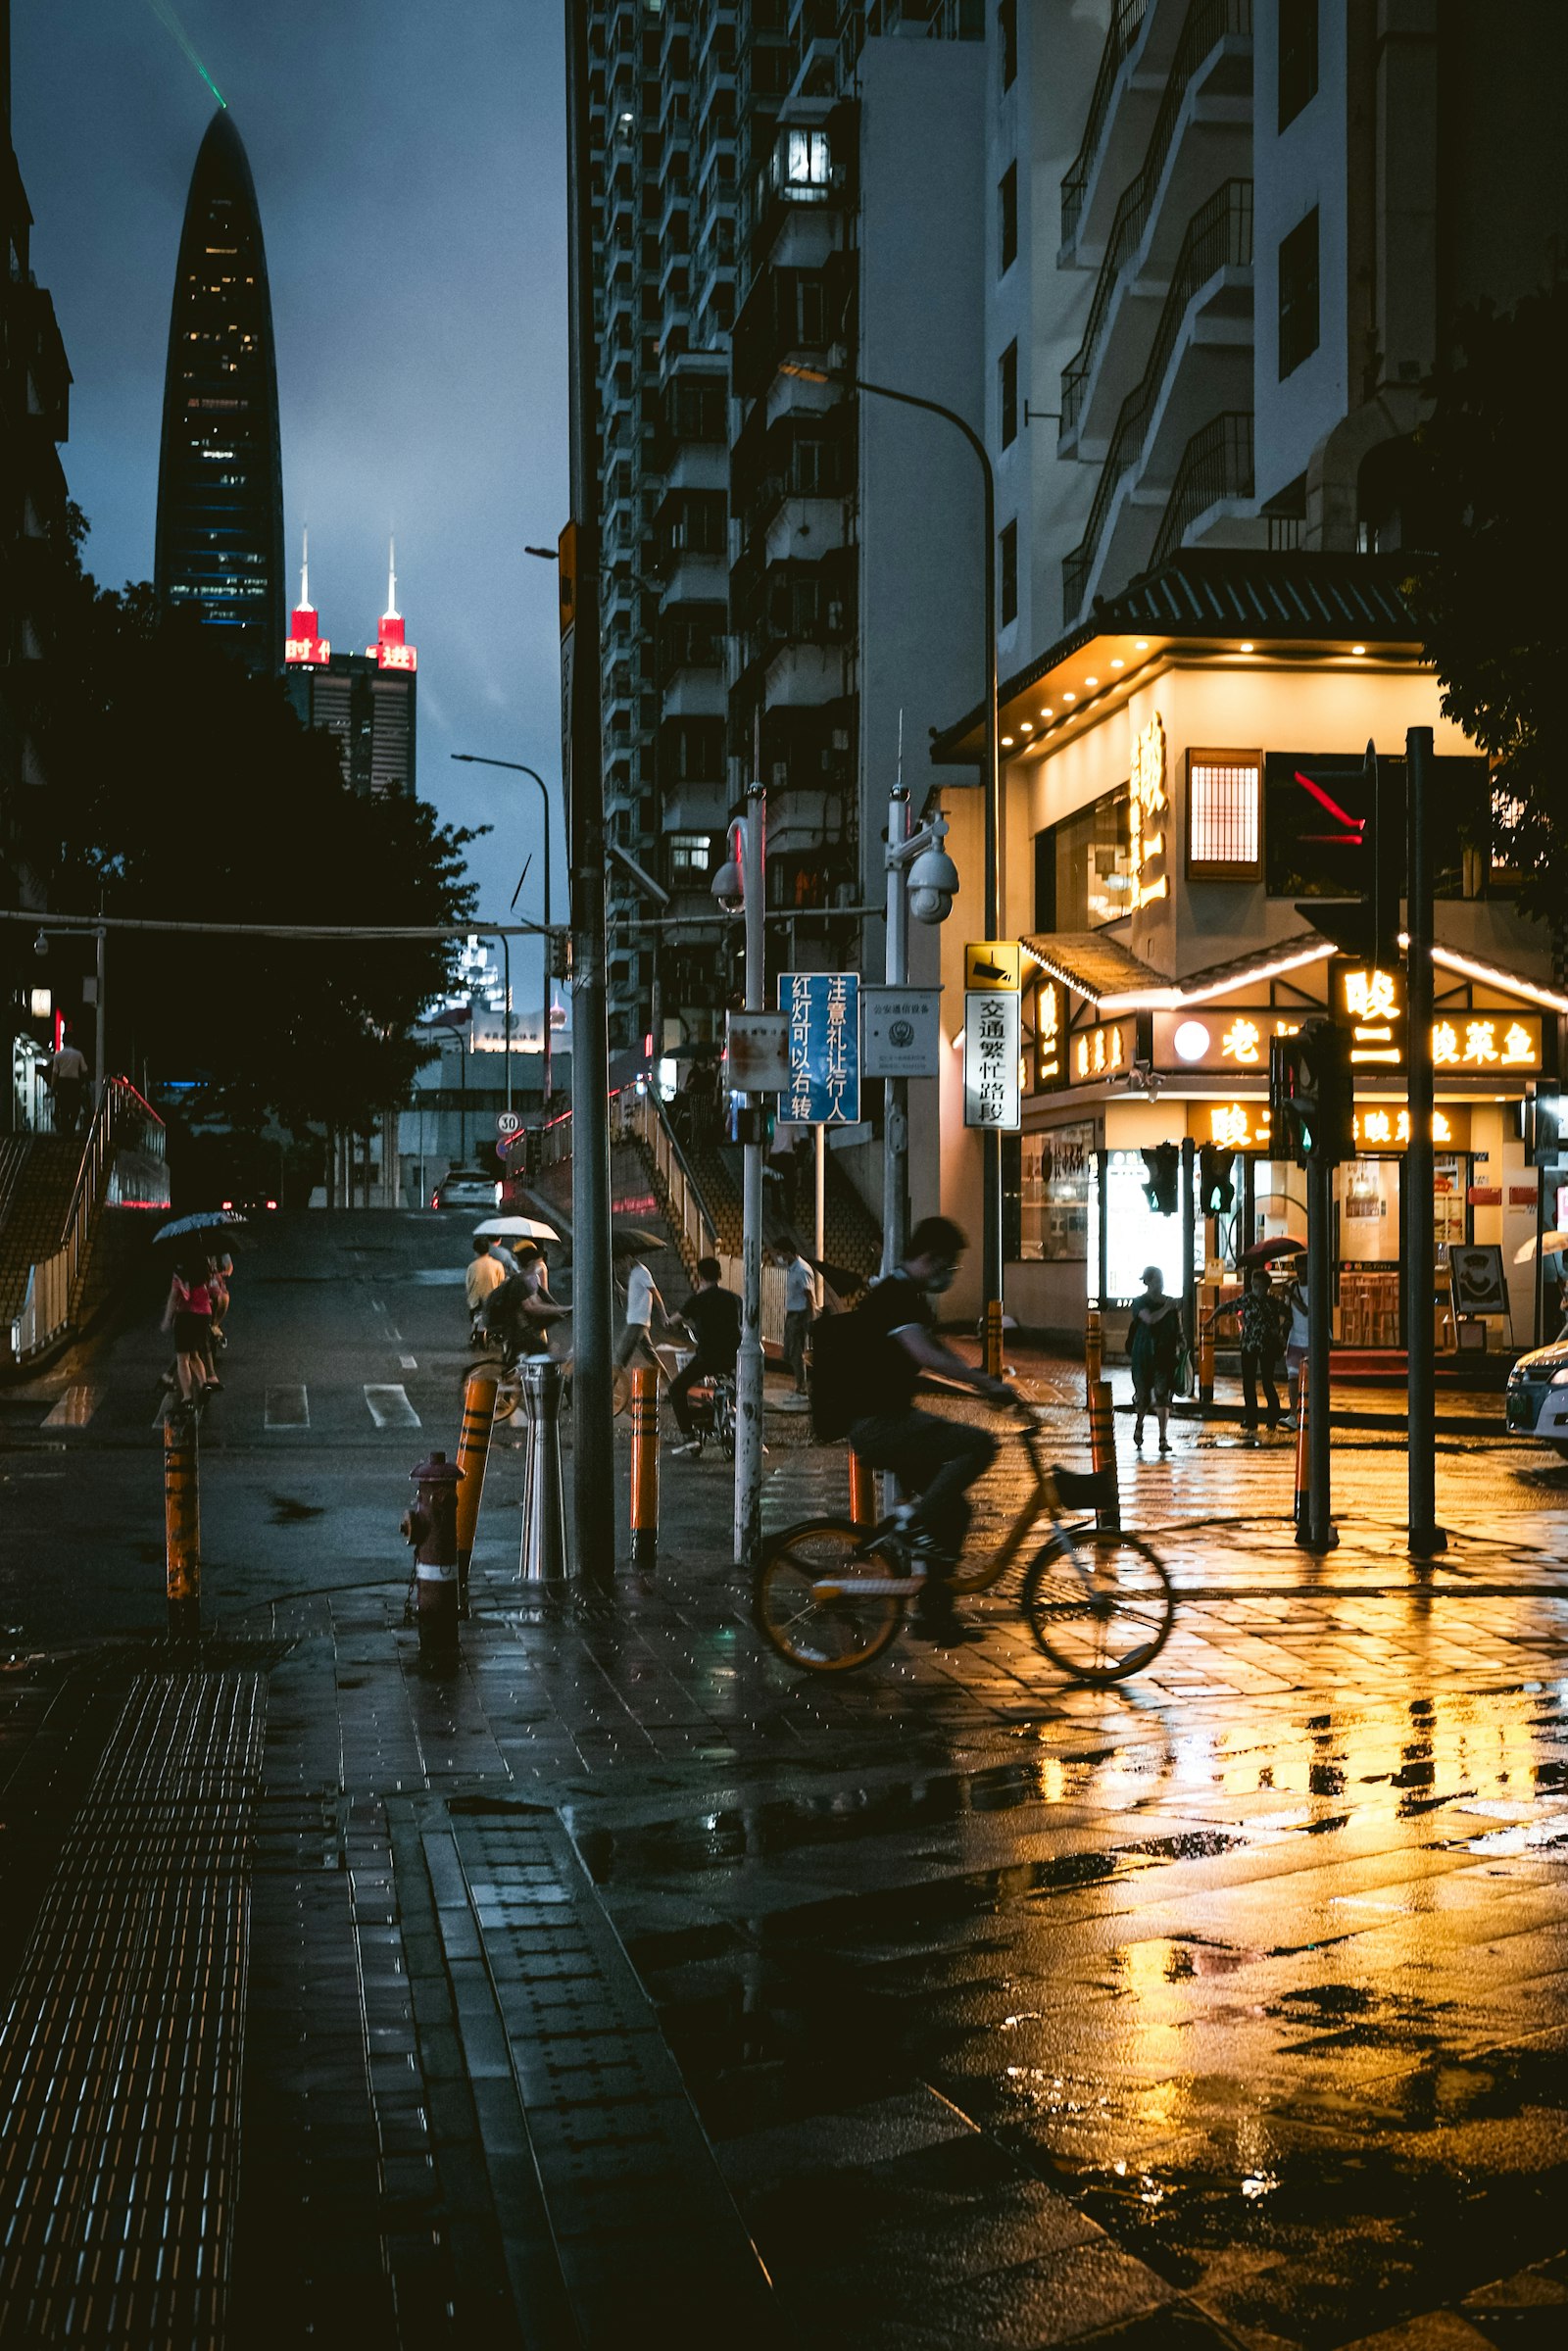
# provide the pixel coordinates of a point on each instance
(1261, 1336)
(1154, 1345)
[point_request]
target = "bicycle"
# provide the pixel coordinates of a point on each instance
(829, 1596)
(712, 1411)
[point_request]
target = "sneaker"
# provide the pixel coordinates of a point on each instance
(1288, 1422)
(692, 1444)
(1165, 1444)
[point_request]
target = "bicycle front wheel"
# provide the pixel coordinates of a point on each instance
(823, 1636)
(1099, 1606)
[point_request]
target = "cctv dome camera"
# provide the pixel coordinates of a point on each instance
(41, 945)
(727, 885)
(933, 886)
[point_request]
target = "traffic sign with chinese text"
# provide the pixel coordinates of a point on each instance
(901, 1032)
(992, 1041)
(823, 1010)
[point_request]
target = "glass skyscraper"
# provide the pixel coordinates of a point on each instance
(220, 481)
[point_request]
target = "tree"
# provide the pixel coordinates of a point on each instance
(184, 788)
(1494, 482)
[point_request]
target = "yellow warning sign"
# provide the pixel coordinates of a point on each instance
(991, 963)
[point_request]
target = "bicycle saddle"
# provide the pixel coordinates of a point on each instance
(1084, 1489)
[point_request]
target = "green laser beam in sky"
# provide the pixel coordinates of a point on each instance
(172, 24)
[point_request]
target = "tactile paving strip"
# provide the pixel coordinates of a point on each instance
(644, 2228)
(121, 2051)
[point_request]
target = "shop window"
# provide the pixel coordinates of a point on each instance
(1010, 573)
(1083, 867)
(1007, 394)
(1298, 295)
(1298, 58)
(1225, 815)
(1057, 1175)
(1007, 218)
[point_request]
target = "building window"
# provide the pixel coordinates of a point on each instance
(1224, 816)
(1083, 867)
(1008, 388)
(1299, 330)
(1010, 573)
(1008, 217)
(1055, 1180)
(1008, 41)
(689, 853)
(1298, 58)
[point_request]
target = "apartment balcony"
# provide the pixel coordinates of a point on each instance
(1199, 364)
(1203, 54)
(789, 314)
(1211, 501)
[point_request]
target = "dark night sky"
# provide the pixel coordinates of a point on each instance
(409, 164)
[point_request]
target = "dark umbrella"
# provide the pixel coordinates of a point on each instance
(1282, 1245)
(203, 1222)
(841, 1278)
(624, 1238)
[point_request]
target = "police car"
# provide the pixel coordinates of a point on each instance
(1538, 1395)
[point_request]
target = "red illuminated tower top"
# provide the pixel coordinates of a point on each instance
(305, 646)
(391, 649)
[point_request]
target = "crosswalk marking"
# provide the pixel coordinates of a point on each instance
(74, 1408)
(288, 1408)
(390, 1408)
(409, 1362)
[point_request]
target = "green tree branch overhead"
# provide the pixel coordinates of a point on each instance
(182, 787)
(1493, 479)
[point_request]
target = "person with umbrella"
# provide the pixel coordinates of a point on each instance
(188, 1313)
(1260, 1331)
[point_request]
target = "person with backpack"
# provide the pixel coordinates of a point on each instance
(1154, 1345)
(712, 1315)
(866, 1371)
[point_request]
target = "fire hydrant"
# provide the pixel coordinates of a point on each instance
(430, 1525)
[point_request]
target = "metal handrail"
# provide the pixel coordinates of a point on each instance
(1216, 463)
(1126, 24)
(1209, 23)
(1219, 235)
(644, 1115)
(54, 1283)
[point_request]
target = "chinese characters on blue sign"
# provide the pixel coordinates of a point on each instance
(824, 1016)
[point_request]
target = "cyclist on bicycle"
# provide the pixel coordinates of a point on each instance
(937, 1459)
(713, 1317)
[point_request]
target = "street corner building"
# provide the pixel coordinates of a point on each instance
(220, 547)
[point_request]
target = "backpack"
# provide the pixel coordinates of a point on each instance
(838, 1371)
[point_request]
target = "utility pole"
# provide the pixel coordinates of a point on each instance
(1321, 1534)
(1427, 1538)
(99, 1066)
(896, 1109)
(749, 1362)
(592, 1489)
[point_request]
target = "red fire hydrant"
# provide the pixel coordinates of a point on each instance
(430, 1525)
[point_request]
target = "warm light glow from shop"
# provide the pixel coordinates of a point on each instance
(1489, 977)
(1069, 698)
(1117, 663)
(1359, 649)
(1142, 645)
(1249, 648)
(1091, 681)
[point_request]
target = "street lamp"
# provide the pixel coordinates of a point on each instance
(991, 780)
(474, 758)
(922, 881)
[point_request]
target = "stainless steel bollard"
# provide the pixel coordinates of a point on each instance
(543, 1558)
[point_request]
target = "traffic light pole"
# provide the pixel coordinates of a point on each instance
(1427, 1538)
(1320, 1533)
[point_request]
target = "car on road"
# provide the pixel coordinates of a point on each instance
(466, 1187)
(1536, 1400)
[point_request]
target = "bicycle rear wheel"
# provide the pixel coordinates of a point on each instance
(822, 1636)
(1104, 1614)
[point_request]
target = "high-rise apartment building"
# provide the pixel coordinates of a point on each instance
(741, 149)
(220, 549)
(367, 702)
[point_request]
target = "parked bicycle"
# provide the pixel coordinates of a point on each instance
(711, 1404)
(830, 1597)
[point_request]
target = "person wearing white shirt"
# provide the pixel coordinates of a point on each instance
(642, 1296)
(801, 1300)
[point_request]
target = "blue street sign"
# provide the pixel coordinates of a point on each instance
(824, 1016)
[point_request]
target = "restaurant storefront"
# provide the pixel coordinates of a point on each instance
(1171, 802)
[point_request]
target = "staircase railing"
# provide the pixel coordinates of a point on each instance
(54, 1283)
(642, 1114)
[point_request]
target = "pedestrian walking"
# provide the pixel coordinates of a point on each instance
(485, 1273)
(188, 1313)
(712, 1316)
(1260, 1328)
(67, 1082)
(1295, 1308)
(800, 1300)
(1154, 1345)
(635, 1344)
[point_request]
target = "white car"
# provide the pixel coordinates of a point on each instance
(1537, 1400)
(466, 1187)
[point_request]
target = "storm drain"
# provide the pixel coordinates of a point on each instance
(120, 2055)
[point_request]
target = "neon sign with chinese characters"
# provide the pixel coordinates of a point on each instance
(1371, 1005)
(1478, 1042)
(1051, 1034)
(1228, 1037)
(1147, 806)
(1385, 1127)
(1107, 1050)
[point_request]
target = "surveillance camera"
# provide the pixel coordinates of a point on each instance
(41, 945)
(727, 886)
(933, 886)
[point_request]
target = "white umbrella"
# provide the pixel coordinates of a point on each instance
(514, 1228)
(1552, 1245)
(204, 1222)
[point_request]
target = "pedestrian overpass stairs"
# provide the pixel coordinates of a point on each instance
(71, 1209)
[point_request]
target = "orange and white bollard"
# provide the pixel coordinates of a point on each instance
(644, 1466)
(1094, 1348)
(473, 1450)
(993, 1338)
(863, 1492)
(1103, 1451)
(182, 1533)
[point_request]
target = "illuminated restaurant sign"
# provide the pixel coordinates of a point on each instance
(1234, 1038)
(1377, 1127)
(1148, 807)
(1051, 1034)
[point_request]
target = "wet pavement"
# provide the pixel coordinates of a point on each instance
(623, 1969)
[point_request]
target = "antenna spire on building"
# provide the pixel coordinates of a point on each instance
(304, 573)
(391, 612)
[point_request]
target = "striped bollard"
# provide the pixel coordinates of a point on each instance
(644, 1466)
(182, 1533)
(1208, 1300)
(863, 1492)
(1303, 1474)
(993, 1338)
(1094, 1348)
(473, 1450)
(1103, 1451)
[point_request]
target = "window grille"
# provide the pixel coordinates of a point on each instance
(1224, 816)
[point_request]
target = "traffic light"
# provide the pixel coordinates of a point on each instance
(1162, 1190)
(1311, 1093)
(561, 954)
(1216, 1185)
(1368, 816)
(1545, 1142)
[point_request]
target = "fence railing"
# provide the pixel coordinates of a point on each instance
(642, 1114)
(1217, 463)
(1126, 24)
(54, 1283)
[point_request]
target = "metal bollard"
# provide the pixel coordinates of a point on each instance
(1303, 1474)
(1103, 1451)
(543, 1555)
(182, 1531)
(473, 1450)
(1208, 1300)
(863, 1492)
(993, 1338)
(430, 1525)
(1094, 1348)
(644, 1466)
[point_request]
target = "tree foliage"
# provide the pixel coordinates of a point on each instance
(1494, 485)
(185, 789)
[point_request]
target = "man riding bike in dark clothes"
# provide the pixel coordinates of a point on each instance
(713, 1317)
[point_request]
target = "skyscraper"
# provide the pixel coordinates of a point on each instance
(365, 700)
(220, 480)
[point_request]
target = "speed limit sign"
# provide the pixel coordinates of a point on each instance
(506, 1122)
